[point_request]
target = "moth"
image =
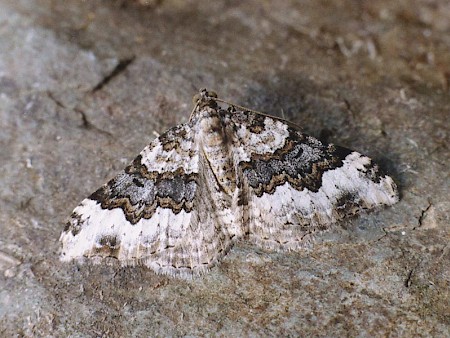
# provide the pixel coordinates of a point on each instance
(229, 173)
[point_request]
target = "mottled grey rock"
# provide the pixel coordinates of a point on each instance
(84, 86)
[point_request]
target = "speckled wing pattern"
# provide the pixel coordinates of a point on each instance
(225, 175)
(295, 185)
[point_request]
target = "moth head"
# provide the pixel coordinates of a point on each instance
(204, 96)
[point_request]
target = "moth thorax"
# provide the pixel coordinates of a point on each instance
(217, 146)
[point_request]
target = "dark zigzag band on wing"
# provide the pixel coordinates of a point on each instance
(267, 171)
(301, 161)
(138, 192)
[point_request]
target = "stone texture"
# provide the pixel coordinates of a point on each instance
(84, 85)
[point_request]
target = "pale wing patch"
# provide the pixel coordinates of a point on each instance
(288, 218)
(171, 151)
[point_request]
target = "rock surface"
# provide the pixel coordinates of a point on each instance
(85, 85)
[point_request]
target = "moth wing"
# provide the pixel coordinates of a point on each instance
(156, 212)
(295, 185)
